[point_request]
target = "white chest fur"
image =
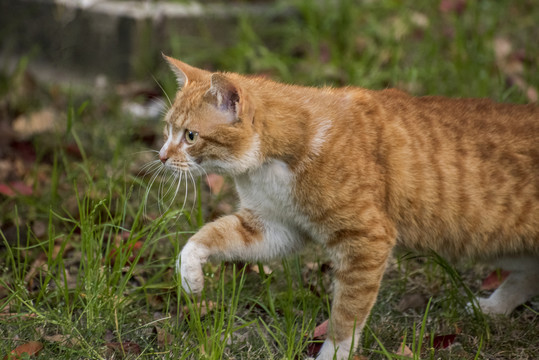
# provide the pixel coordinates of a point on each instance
(268, 191)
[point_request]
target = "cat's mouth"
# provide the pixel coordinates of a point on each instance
(178, 167)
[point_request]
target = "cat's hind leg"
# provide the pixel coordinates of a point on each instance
(521, 285)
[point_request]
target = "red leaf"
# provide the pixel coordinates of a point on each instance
(443, 341)
(31, 348)
(132, 249)
(494, 280)
(457, 6)
(320, 333)
(314, 348)
(14, 188)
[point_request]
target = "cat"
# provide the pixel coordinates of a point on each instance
(359, 172)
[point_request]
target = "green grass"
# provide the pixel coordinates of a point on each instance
(89, 273)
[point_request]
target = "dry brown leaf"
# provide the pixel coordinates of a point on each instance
(32, 348)
(204, 307)
(502, 48)
(414, 301)
(45, 120)
(39, 264)
(163, 337)
(404, 350)
(511, 64)
(16, 316)
(127, 347)
(256, 269)
(62, 339)
(39, 228)
(6, 169)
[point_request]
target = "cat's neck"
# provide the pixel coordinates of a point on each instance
(294, 129)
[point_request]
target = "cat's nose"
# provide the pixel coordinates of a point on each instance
(163, 155)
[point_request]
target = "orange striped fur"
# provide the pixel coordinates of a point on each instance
(359, 172)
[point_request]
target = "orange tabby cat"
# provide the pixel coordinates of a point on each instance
(359, 172)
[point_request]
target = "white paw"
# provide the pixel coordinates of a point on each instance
(189, 264)
(488, 306)
(493, 306)
(330, 351)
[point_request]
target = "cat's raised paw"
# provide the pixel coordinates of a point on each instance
(189, 264)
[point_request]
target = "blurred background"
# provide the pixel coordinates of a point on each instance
(88, 236)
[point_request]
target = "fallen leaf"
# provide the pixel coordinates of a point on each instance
(215, 182)
(131, 249)
(16, 316)
(457, 6)
(494, 279)
(254, 268)
(502, 48)
(420, 20)
(25, 126)
(14, 188)
(320, 332)
(442, 341)
(532, 95)
(6, 169)
(414, 301)
(404, 350)
(318, 337)
(39, 228)
(39, 264)
(163, 337)
(313, 348)
(204, 307)
(128, 347)
(31, 348)
(62, 339)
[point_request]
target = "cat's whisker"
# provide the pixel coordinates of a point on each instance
(170, 178)
(149, 187)
(144, 151)
(149, 167)
(195, 190)
(200, 168)
(160, 190)
(177, 177)
(163, 107)
(163, 90)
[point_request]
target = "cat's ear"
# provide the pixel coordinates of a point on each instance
(225, 95)
(184, 73)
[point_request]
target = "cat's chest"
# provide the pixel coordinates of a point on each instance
(269, 191)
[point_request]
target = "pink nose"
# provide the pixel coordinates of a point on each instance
(163, 158)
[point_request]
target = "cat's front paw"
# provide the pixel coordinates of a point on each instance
(330, 350)
(189, 265)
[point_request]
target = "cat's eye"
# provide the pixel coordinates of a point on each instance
(191, 136)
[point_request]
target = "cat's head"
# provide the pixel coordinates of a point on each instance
(210, 123)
